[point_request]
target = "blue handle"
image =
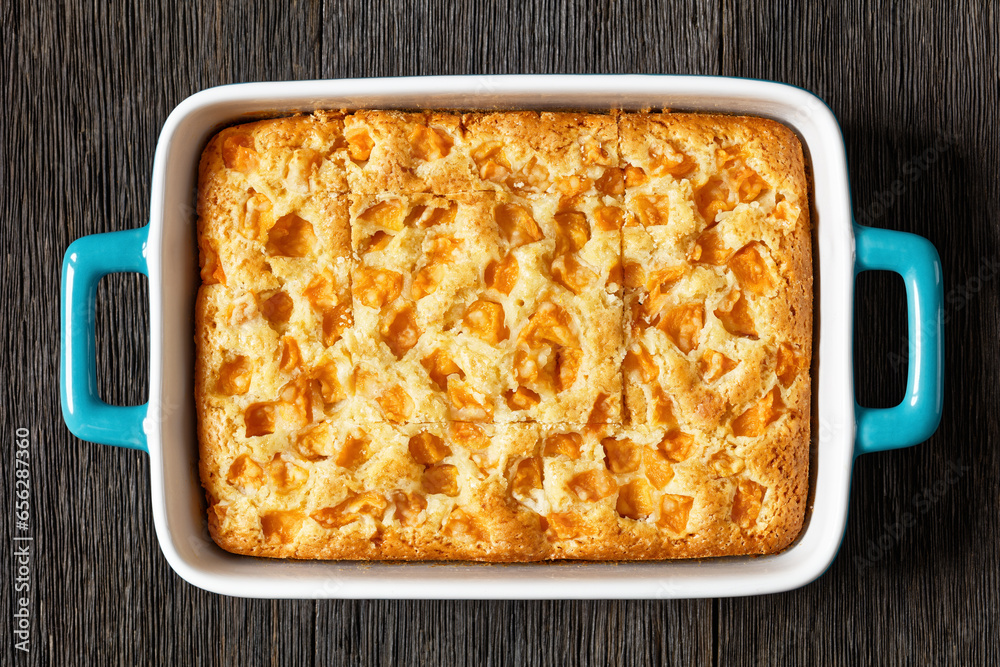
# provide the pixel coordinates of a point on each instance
(88, 260)
(917, 417)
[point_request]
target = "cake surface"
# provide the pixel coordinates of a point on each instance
(504, 336)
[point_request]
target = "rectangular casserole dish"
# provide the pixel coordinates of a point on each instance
(165, 426)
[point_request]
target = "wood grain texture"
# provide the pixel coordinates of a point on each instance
(915, 86)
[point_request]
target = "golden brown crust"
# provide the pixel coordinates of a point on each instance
(504, 337)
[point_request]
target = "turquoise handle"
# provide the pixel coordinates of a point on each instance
(917, 416)
(87, 260)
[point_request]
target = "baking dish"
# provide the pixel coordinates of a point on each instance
(165, 426)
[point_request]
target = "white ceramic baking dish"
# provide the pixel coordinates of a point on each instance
(165, 426)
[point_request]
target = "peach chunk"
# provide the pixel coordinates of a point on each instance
(569, 272)
(639, 361)
(572, 231)
(713, 198)
(492, 164)
(593, 485)
(521, 399)
(399, 329)
(659, 472)
(485, 320)
(609, 218)
(259, 419)
(424, 217)
(788, 364)
(713, 365)
(295, 401)
(676, 446)
(408, 507)
(276, 307)
(516, 225)
(532, 177)
(439, 255)
(291, 236)
(622, 455)
(440, 478)
(760, 415)
(376, 287)
(245, 473)
(602, 410)
(565, 444)
(667, 160)
(651, 211)
(211, 265)
(439, 366)
(663, 408)
(675, 511)
(465, 406)
(469, 436)
(238, 153)
(747, 502)
(635, 176)
(316, 443)
(291, 356)
(378, 241)
(568, 360)
(359, 143)
(235, 376)
(635, 500)
(635, 275)
(749, 268)
(351, 509)
(659, 283)
(573, 185)
(286, 475)
(330, 389)
(301, 169)
(749, 184)
(322, 291)
(336, 321)
(611, 182)
(428, 143)
(616, 274)
(502, 275)
(354, 452)
(550, 324)
(710, 248)
(388, 214)
(527, 476)
(597, 152)
(257, 216)
(724, 464)
(682, 324)
(461, 525)
(280, 527)
(566, 525)
(396, 404)
(738, 318)
(427, 448)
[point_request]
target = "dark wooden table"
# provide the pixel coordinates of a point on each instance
(86, 88)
